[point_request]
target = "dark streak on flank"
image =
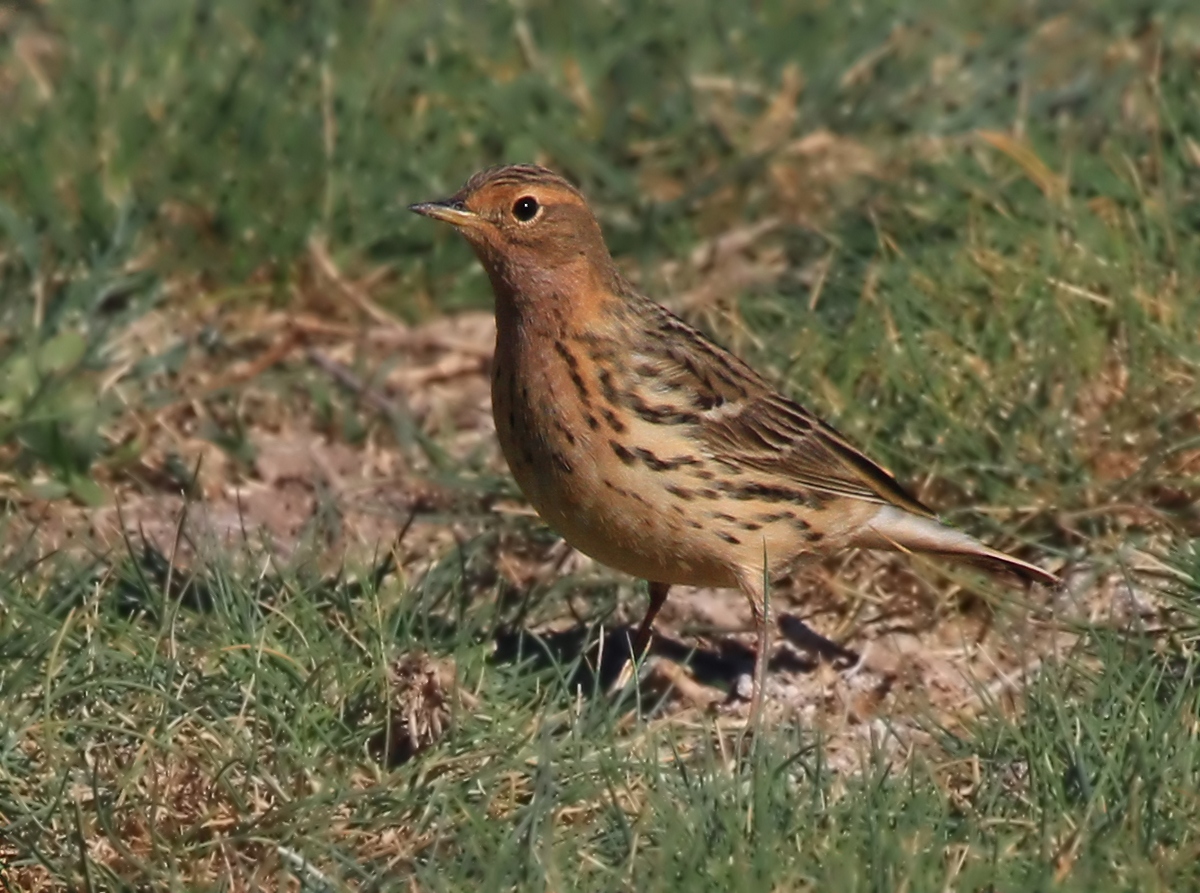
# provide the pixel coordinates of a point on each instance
(626, 494)
(613, 422)
(656, 464)
(772, 517)
(573, 370)
(703, 474)
(622, 453)
(660, 414)
(565, 432)
(577, 380)
(568, 357)
(814, 536)
(750, 525)
(729, 538)
(593, 422)
(681, 492)
(695, 525)
(724, 516)
(607, 388)
(767, 493)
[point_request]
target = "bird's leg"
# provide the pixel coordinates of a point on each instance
(761, 659)
(658, 597)
(641, 639)
(754, 588)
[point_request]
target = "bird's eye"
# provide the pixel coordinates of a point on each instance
(525, 208)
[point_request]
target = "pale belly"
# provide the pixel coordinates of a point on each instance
(615, 514)
(617, 521)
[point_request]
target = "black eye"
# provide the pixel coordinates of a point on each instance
(525, 208)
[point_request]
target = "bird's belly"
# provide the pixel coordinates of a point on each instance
(644, 498)
(624, 525)
(656, 525)
(620, 516)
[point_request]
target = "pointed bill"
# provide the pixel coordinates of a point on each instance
(448, 210)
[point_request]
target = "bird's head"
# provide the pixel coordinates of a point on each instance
(530, 228)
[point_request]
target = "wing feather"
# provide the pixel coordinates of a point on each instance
(746, 425)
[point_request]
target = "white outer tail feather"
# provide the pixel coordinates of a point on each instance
(894, 528)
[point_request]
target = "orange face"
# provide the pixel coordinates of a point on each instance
(522, 216)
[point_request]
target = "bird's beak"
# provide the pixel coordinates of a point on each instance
(450, 210)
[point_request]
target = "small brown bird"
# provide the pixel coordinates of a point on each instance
(645, 445)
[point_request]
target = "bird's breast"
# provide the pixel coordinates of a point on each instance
(573, 451)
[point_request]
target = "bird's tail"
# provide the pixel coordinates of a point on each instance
(894, 528)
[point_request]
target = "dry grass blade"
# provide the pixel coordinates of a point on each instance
(1053, 186)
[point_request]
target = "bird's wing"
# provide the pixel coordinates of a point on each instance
(774, 435)
(745, 424)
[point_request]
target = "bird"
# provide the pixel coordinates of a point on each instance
(646, 445)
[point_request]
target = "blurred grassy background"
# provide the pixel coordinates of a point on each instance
(168, 151)
(965, 232)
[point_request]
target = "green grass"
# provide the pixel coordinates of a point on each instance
(1009, 330)
(184, 746)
